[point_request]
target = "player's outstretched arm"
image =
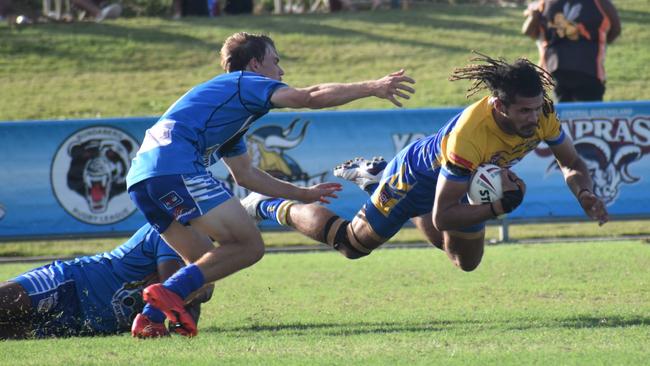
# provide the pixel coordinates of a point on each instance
(389, 87)
(578, 179)
(256, 180)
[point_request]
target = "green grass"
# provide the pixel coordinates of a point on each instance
(548, 304)
(519, 232)
(139, 66)
(526, 304)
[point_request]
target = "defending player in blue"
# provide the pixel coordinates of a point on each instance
(169, 181)
(428, 180)
(93, 295)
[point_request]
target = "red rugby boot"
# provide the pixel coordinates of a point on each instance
(143, 327)
(173, 307)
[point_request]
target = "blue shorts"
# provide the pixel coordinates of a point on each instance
(178, 197)
(57, 312)
(405, 190)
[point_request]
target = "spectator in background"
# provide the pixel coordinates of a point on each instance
(111, 11)
(394, 4)
(235, 7)
(571, 37)
(13, 15)
(203, 8)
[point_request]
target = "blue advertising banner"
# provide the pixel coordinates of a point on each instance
(67, 178)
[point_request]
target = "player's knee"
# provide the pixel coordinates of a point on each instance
(337, 235)
(254, 252)
(348, 251)
(467, 264)
(437, 244)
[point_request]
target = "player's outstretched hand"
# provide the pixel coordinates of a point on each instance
(321, 192)
(394, 85)
(593, 206)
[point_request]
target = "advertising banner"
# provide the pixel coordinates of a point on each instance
(67, 178)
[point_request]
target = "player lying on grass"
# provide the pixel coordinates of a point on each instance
(428, 180)
(93, 295)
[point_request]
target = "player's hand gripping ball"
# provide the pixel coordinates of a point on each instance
(485, 185)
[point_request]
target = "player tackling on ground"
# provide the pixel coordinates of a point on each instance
(91, 295)
(169, 183)
(428, 180)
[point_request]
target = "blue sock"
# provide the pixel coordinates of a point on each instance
(267, 208)
(370, 188)
(185, 281)
(153, 314)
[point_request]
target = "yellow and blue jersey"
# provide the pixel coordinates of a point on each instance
(473, 138)
(469, 139)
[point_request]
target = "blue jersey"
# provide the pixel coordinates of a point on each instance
(98, 294)
(204, 125)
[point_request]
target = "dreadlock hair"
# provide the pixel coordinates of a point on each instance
(240, 48)
(506, 81)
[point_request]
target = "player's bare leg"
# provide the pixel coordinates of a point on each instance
(465, 250)
(425, 225)
(240, 246)
(240, 242)
(354, 239)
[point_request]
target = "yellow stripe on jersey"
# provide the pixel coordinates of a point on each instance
(391, 191)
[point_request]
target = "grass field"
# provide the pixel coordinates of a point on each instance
(550, 304)
(519, 232)
(545, 304)
(139, 66)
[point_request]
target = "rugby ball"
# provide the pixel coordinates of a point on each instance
(485, 185)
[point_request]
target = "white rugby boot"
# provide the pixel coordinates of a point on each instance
(251, 202)
(361, 172)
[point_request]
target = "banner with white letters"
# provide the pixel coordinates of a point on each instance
(67, 178)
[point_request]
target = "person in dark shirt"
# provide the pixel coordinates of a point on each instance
(572, 36)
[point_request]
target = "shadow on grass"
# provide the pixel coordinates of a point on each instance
(432, 326)
(359, 328)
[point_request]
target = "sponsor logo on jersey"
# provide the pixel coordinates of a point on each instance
(171, 200)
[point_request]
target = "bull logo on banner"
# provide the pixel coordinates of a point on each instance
(89, 174)
(268, 146)
(609, 148)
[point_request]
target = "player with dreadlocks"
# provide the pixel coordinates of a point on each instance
(428, 180)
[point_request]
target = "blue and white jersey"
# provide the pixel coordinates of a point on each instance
(204, 125)
(108, 286)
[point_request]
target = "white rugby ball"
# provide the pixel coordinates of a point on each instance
(485, 185)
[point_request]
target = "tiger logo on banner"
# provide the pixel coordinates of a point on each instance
(89, 174)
